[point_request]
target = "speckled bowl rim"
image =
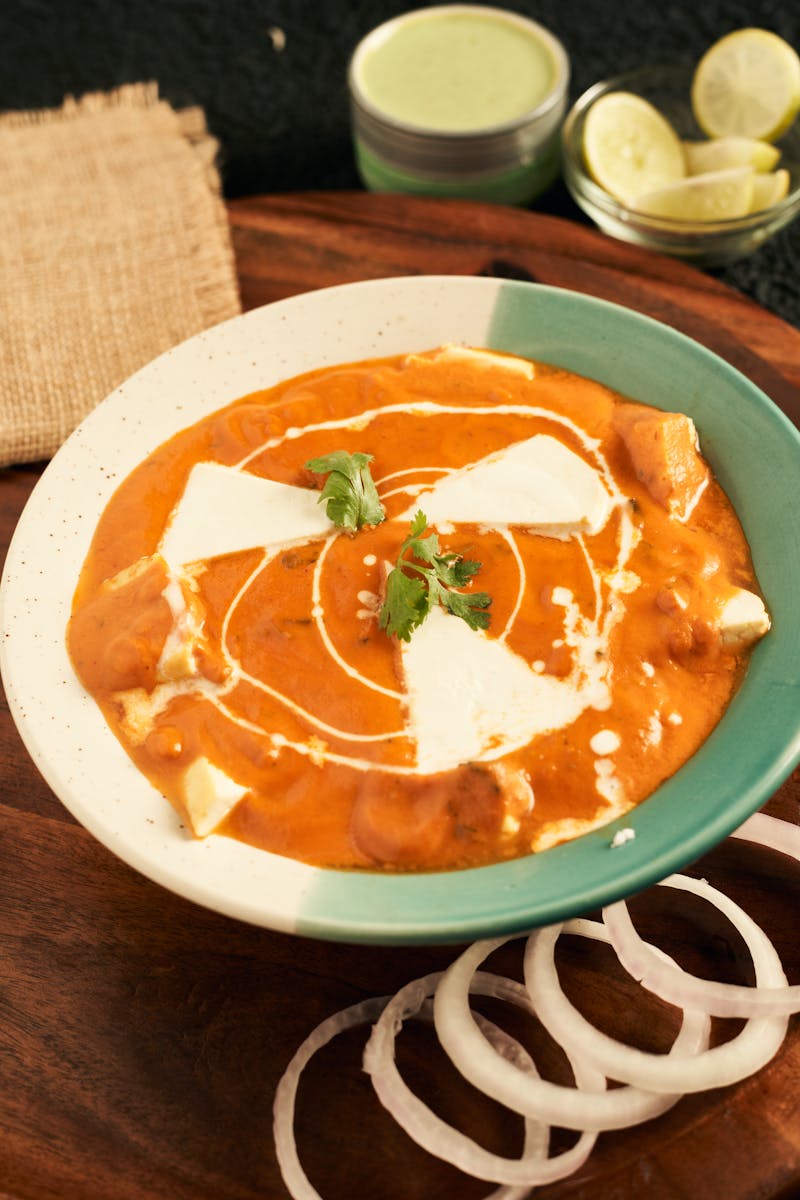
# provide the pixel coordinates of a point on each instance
(753, 447)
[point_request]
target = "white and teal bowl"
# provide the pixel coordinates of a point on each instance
(753, 448)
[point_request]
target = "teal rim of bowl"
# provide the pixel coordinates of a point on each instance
(753, 748)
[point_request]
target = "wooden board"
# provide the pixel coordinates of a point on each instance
(141, 1037)
(293, 243)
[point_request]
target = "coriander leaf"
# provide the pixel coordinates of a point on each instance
(468, 606)
(406, 605)
(419, 523)
(414, 587)
(454, 571)
(338, 460)
(424, 548)
(349, 493)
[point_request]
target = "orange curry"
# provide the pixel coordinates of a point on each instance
(231, 634)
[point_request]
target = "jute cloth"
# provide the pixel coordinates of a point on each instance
(114, 246)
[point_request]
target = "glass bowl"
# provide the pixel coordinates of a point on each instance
(705, 243)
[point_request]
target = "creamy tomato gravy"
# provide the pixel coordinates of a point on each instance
(229, 632)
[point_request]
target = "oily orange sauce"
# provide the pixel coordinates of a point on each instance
(312, 718)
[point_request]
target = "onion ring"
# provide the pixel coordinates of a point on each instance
(754, 1046)
(588, 1107)
(430, 1131)
(670, 982)
(283, 1107)
(537, 1134)
(500, 1067)
(410, 1000)
(772, 833)
(673, 984)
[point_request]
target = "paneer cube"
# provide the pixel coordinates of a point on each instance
(664, 451)
(208, 796)
(744, 619)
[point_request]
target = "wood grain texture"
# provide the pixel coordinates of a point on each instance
(141, 1037)
(292, 243)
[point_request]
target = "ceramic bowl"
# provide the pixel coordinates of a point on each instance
(753, 448)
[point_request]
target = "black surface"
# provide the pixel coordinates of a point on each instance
(282, 115)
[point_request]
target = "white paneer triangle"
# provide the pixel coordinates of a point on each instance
(209, 795)
(538, 484)
(471, 697)
(223, 510)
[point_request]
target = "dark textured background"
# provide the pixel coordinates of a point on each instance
(282, 116)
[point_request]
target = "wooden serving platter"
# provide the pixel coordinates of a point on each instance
(141, 1037)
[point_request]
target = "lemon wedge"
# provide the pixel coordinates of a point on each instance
(719, 153)
(629, 148)
(747, 84)
(769, 189)
(714, 196)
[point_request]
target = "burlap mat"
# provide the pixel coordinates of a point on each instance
(114, 246)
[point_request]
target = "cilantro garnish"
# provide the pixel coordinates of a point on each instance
(349, 493)
(410, 597)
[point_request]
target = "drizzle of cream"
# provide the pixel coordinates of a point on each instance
(508, 536)
(297, 709)
(184, 632)
(454, 352)
(588, 636)
(607, 783)
(655, 730)
(318, 614)
(695, 500)
(604, 742)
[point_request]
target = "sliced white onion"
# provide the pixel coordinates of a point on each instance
(754, 1046)
(772, 833)
(429, 1130)
(671, 983)
(435, 1135)
(500, 1067)
(537, 1134)
(588, 1106)
(294, 1176)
